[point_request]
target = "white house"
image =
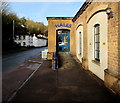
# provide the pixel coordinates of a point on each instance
(38, 41)
(24, 40)
(29, 40)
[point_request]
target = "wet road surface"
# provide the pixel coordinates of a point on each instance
(12, 61)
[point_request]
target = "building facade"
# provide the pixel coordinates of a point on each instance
(29, 40)
(59, 34)
(94, 37)
(39, 42)
(24, 40)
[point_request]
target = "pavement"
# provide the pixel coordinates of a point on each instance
(69, 83)
(12, 81)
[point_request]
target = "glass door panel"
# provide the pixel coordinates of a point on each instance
(63, 40)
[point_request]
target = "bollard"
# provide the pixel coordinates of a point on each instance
(54, 61)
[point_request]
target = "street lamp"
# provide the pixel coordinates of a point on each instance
(13, 29)
(109, 12)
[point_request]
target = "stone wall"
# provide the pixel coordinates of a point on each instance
(52, 21)
(83, 16)
(112, 73)
(111, 77)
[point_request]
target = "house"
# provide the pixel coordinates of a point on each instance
(39, 40)
(24, 40)
(93, 36)
(29, 40)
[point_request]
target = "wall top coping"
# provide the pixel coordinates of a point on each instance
(82, 9)
(59, 18)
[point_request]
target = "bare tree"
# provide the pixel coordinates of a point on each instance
(4, 6)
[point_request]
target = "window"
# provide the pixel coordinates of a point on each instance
(23, 43)
(24, 37)
(80, 38)
(65, 40)
(63, 31)
(97, 42)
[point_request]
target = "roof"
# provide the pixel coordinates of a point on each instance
(36, 35)
(82, 9)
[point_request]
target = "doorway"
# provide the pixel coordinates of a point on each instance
(63, 40)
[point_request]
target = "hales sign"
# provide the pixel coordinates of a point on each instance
(63, 25)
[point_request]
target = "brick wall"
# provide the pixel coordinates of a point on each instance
(119, 37)
(111, 73)
(52, 21)
(113, 39)
(111, 76)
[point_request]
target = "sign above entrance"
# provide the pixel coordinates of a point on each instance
(63, 25)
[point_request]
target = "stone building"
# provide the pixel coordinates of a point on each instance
(93, 36)
(59, 34)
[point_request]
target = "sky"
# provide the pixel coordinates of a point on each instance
(38, 11)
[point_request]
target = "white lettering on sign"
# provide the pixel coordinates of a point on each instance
(63, 25)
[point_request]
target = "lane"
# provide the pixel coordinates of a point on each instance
(13, 60)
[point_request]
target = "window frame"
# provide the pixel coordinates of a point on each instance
(97, 42)
(80, 43)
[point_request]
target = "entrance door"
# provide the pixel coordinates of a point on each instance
(63, 40)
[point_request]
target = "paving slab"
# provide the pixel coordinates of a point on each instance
(69, 83)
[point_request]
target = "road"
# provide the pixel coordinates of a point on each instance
(11, 61)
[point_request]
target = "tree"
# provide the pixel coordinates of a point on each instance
(22, 26)
(4, 6)
(35, 27)
(7, 30)
(23, 21)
